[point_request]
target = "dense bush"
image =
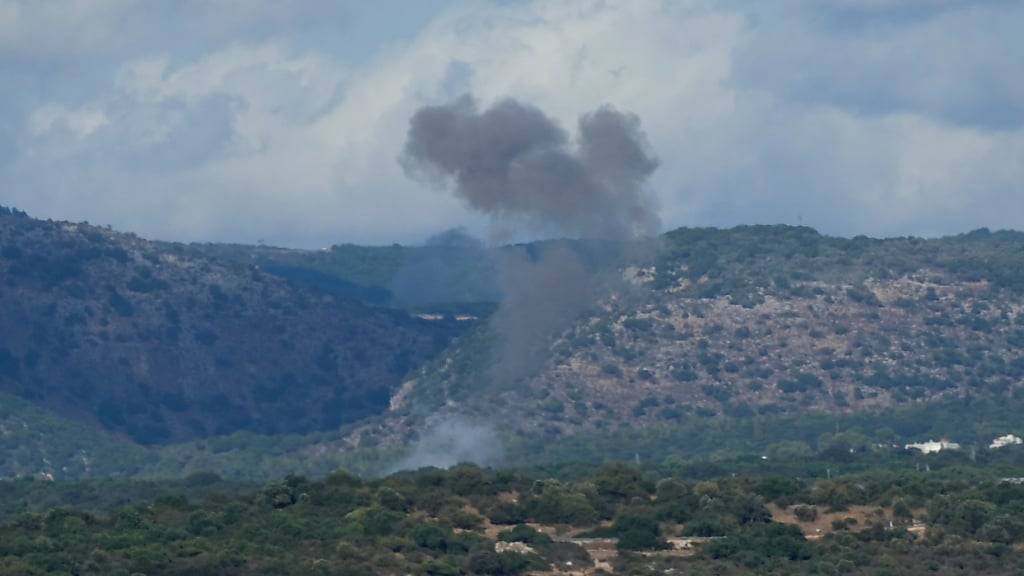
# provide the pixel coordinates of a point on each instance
(806, 513)
(401, 524)
(755, 545)
(638, 530)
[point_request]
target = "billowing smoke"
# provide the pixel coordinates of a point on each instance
(543, 294)
(453, 441)
(517, 165)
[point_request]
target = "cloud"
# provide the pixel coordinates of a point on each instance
(30, 29)
(174, 150)
(75, 31)
(79, 123)
(260, 124)
(884, 57)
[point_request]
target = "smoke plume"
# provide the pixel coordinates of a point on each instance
(515, 164)
(453, 441)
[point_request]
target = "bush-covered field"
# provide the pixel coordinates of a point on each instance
(893, 519)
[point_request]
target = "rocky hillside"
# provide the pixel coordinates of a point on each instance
(758, 321)
(347, 355)
(164, 342)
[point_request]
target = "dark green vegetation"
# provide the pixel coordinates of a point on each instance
(402, 276)
(739, 261)
(28, 495)
(856, 441)
(162, 342)
(34, 442)
(40, 444)
(123, 357)
(765, 377)
(957, 518)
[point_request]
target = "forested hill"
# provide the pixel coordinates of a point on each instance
(351, 353)
(164, 342)
(762, 320)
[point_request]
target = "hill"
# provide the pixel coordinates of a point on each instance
(157, 359)
(756, 321)
(165, 342)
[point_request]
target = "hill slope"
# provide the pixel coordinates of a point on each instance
(163, 342)
(711, 337)
(758, 321)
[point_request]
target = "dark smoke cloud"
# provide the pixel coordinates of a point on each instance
(515, 164)
(543, 294)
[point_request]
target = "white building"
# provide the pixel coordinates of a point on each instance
(1003, 441)
(933, 446)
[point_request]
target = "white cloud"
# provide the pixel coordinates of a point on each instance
(78, 30)
(757, 115)
(79, 123)
(48, 28)
(952, 60)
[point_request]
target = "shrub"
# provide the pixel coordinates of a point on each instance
(203, 524)
(526, 535)
(638, 530)
(497, 564)
(611, 369)
(553, 406)
(862, 295)
(685, 374)
(559, 506)
(507, 513)
(763, 541)
(801, 382)
(430, 536)
(806, 513)
(144, 282)
(120, 304)
(441, 567)
(621, 482)
(638, 324)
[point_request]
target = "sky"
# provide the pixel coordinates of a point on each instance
(283, 122)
